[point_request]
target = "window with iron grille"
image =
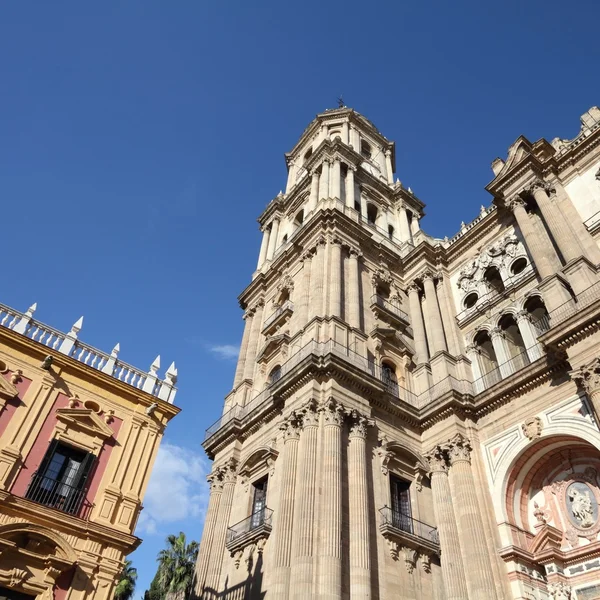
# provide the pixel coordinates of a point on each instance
(401, 509)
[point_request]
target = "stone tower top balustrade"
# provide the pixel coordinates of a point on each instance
(109, 363)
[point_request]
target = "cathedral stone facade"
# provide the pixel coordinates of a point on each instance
(414, 417)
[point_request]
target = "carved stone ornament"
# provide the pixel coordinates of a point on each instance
(358, 425)
(426, 563)
(333, 412)
(17, 576)
(540, 514)
(459, 449)
(292, 426)
(310, 414)
(532, 428)
(237, 558)
(436, 459)
(228, 471)
(514, 202)
(559, 591)
(587, 377)
(410, 559)
(16, 376)
(394, 549)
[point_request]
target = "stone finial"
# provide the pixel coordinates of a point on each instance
(109, 365)
(155, 366)
(497, 165)
(587, 377)
(76, 328)
(68, 343)
(21, 326)
(171, 374)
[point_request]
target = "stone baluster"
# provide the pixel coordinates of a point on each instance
(253, 340)
(480, 582)
(285, 511)
(354, 288)
(273, 238)
(335, 278)
(587, 378)
(317, 277)
(336, 179)
(330, 551)
(453, 571)
(556, 223)
(505, 365)
(541, 250)
(314, 192)
(217, 553)
(303, 305)
(303, 549)
(388, 166)
(358, 485)
(239, 370)
(264, 246)
(324, 181)
(418, 326)
(529, 335)
(350, 198)
(438, 341)
(215, 480)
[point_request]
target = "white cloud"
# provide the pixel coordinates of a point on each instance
(177, 490)
(226, 351)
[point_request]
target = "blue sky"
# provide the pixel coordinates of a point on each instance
(140, 140)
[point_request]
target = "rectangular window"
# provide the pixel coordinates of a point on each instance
(259, 501)
(401, 509)
(60, 481)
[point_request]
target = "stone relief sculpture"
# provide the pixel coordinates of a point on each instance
(582, 505)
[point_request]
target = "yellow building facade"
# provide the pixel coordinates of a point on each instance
(79, 432)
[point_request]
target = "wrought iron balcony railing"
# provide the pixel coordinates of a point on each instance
(407, 524)
(260, 519)
(391, 307)
(58, 495)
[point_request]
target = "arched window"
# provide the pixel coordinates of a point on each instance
(539, 315)
(514, 342)
(299, 218)
(371, 214)
(470, 300)
(365, 149)
(307, 155)
(389, 378)
(275, 374)
(488, 361)
(493, 279)
(391, 232)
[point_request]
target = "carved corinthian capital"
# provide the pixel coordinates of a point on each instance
(229, 471)
(436, 459)
(333, 413)
(215, 481)
(459, 449)
(587, 377)
(559, 591)
(514, 202)
(358, 425)
(310, 414)
(291, 427)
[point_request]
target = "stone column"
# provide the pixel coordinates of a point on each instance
(217, 553)
(363, 203)
(480, 581)
(354, 288)
(388, 166)
(324, 181)
(360, 551)
(545, 259)
(317, 280)
(350, 187)
(282, 551)
(345, 136)
(556, 223)
(354, 139)
(405, 234)
(447, 316)
(529, 335)
(336, 179)
(215, 481)
(438, 341)
(239, 370)
(330, 550)
(587, 378)
(499, 342)
(273, 238)
(335, 278)
(418, 325)
(303, 305)
(472, 351)
(303, 548)
(264, 245)
(453, 571)
(254, 339)
(314, 192)
(383, 220)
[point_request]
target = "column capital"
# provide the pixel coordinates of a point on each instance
(496, 332)
(473, 348)
(523, 315)
(587, 377)
(358, 425)
(291, 427)
(355, 252)
(307, 255)
(310, 414)
(459, 449)
(215, 481)
(228, 471)
(427, 275)
(436, 460)
(413, 287)
(321, 241)
(335, 240)
(388, 152)
(514, 202)
(540, 184)
(333, 413)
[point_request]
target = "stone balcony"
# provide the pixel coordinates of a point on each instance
(278, 318)
(256, 527)
(69, 345)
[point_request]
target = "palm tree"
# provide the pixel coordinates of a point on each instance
(127, 579)
(176, 567)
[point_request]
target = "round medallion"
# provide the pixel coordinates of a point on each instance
(582, 506)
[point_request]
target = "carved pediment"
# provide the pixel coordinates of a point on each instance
(272, 345)
(82, 427)
(516, 153)
(547, 539)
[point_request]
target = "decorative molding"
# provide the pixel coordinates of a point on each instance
(437, 460)
(559, 591)
(532, 428)
(333, 412)
(587, 377)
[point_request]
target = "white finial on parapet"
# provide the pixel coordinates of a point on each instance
(67, 345)
(167, 389)
(155, 366)
(171, 373)
(21, 326)
(109, 366)
(152, 376)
